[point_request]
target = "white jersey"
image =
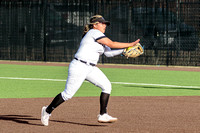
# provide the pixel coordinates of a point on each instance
(90, 49)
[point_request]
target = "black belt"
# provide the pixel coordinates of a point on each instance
(85, 62)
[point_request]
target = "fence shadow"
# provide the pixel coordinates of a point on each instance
(21, 119)
(26, 119)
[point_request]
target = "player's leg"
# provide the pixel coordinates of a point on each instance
(98, 78)
(76, 76)
(55, 103)
(104, 97)
(46, 110)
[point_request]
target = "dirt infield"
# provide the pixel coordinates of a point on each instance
(137, 114)
(172, 68)
(79, 115)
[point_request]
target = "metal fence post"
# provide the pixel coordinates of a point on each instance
(44, 14)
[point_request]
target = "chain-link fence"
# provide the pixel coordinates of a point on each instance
(50, 30)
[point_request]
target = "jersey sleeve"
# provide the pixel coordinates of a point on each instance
(111, 53)
(98, 35)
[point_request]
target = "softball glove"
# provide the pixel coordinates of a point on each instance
(133, 51)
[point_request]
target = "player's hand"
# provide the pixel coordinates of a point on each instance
(134, 43)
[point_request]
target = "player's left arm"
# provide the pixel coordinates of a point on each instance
(111, 53)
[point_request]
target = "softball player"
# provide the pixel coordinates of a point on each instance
(83, 67)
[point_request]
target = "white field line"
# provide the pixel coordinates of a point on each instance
(139, 84)
(31, 79)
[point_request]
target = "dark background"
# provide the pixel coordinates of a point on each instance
(51, 30)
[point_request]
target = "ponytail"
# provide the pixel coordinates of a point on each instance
(86, 29)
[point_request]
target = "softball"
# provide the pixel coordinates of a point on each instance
(128, 48)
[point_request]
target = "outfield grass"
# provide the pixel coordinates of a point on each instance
(17, 88)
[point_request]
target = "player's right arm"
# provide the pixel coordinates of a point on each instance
(112, 44)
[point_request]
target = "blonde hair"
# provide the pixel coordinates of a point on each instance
(90, 25)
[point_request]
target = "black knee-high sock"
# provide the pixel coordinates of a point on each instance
(104, 102)
(55, 103)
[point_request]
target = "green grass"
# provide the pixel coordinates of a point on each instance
(12, 88)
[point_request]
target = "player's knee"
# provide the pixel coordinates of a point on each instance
(107, 88)
(66, 96)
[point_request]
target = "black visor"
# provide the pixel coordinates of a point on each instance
(101, 20)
